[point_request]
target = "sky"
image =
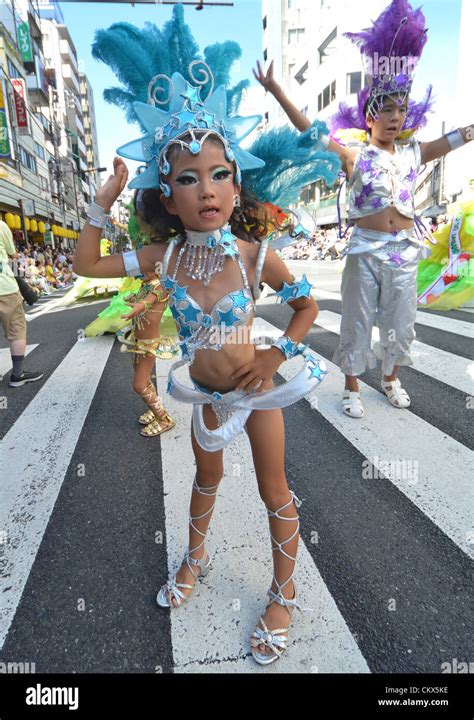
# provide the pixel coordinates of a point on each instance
(243, 23)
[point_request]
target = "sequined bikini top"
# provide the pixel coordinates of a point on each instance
(381, 180)
(197, 329)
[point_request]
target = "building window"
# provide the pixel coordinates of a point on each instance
(291, 4)
(44, 182)
(39, 150)
(12, 71)
(304, 110)
(265, 22)
(27, 159)
(327, 48)
(294, 35)
(327, 96)
(354, 82)
(265, 55)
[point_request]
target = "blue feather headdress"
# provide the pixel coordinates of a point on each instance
(274, 168)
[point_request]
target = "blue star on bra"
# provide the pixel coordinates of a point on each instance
(168, 283)
(240, 300)
(180, 292)
(190, 314)
(228, 318)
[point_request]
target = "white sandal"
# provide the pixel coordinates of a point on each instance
(352, 405)
(397, 396)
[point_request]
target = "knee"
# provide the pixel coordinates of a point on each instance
(273, 496)
(207, 478)
(139, 386)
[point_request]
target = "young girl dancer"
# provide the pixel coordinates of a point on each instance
(380, 272)
(194, 196)
(147, 307)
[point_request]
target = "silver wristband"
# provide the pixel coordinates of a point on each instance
(455, 139)
(98, 223)
(97, 215)
(130, 263)
(288, 347)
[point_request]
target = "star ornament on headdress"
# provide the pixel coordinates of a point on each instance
(186, 114)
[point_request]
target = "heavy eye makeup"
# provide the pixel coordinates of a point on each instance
(189, 177)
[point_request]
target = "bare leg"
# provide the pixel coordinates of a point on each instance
(393, 376)
(351, 383)
(209, 472)
(143, 385)
(267, 438)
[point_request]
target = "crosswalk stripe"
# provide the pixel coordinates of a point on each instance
(437, 322)
(6, 358)
(233, 595)
(425, 464)
(446, 367)
(34, 462)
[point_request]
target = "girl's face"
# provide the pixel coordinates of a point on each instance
(202, 187)
(390, 122)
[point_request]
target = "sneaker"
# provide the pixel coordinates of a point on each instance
(25, 377)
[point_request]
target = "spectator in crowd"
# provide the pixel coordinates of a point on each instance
(12, 314)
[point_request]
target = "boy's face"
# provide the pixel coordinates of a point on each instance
(391, 119)
(202, 187)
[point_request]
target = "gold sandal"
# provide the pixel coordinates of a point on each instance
(146, 418)
(157, 426)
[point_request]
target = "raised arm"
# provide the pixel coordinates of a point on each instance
(87, 259)
(443, 145)
(297, 118)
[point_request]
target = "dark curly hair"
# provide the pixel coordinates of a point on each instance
(252, 221)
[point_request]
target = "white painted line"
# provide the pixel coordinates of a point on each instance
(443, 366)
(212, 635)
(36, 453)
(438, 322)
(428, 466)
(6, 358)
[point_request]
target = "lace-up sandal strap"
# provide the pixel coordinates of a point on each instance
(278, 546)
(276, 640)
(207, 490)
(173, 587)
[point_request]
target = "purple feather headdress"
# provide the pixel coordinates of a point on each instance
(391, 49)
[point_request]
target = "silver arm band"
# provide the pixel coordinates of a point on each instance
(131, 264)
(262, 252)
(455, 139)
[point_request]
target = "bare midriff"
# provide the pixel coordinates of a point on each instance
(386, 221)
(213, 368)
